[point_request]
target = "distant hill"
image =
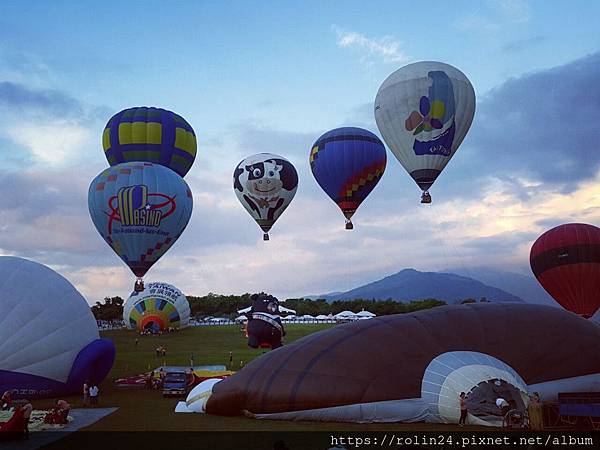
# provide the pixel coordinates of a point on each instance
(523, 286)
(410, 284)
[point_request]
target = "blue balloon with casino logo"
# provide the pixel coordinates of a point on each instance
(140, 209)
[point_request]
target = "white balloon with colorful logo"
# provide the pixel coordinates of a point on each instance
(158, 307)
(423, 111)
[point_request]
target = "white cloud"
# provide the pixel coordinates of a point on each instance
(56, 143)
(497, 15)
(385, 48)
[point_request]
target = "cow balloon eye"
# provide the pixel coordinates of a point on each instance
(271, 173)
(256, 172)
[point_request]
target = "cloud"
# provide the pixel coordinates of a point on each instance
(496, 15)
(47, 127)
(523, 44)
(386, 49)
(541, 127)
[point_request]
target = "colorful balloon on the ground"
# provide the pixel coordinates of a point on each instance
(265, 184)
(566, 262)
(49, 342)
(348, 163)
(423, 111)
(151, 135)
(140, 209)
(158, 307)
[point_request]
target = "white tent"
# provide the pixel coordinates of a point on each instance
(365, 314)
(241, 319)
(282, 309)
(322, 317)
(345, 315)
(307, 317)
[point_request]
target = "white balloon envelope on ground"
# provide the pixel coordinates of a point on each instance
(158, 307)
(423, 111)
(49, 341)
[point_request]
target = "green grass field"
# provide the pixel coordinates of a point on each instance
(141, 410)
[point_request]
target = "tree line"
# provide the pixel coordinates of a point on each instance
(111, 308)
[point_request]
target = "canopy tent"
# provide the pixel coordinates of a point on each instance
(366, 314)
(345, 315)
(282, 309)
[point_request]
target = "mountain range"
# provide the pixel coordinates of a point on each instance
(449, 286)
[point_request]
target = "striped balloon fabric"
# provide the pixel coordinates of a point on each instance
(150, 135)
(566, 262)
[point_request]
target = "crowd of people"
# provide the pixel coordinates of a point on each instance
(534, 410)
(17, 426)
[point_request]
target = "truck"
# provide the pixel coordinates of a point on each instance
(175, 384)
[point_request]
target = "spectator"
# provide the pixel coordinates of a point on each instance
(503, 405)
(27, 409)
(86, 393)
(536, 416)
(463, 409)
(135, 342)
(63, 408)
(6, 401)
(94, 395)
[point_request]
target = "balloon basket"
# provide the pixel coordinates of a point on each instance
(266, 237)
(426, 198)
(349, 225)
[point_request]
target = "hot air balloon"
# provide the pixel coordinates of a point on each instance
(151, 135)
(49, 342)
(423, 112)
(265, 184)
(140, 209)
(348, 163)
(566, 262)
(158, 307)
(264, 327)
(412, 367)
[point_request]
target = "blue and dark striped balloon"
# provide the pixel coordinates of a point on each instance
(348, 163)
(150, 135)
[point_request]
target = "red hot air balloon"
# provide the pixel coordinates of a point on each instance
(566, 262)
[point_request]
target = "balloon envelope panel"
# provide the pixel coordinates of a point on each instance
(423, 111)
(566, 262)
(151, 135)
(157, 307)
(140, 209)
(348, 163)
(265, 184)
(47, 331)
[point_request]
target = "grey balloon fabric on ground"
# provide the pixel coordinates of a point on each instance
(411, 367)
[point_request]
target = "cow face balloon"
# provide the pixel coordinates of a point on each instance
(265, 184)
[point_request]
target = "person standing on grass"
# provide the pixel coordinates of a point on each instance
(86, 393)
(94, 395)
(463, 409)
(6, 401)
(27, 409)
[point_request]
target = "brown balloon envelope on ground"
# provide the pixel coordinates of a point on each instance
(408, 362)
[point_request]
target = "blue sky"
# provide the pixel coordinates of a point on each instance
(260, 76)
